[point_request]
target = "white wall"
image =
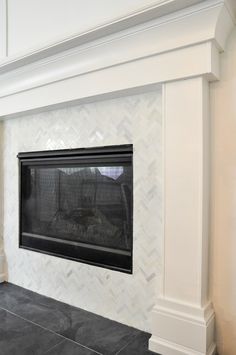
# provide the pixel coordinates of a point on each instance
(223, 249)
(3, 29)
(135, 119)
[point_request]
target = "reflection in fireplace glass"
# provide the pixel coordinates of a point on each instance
(78, 204)
(90, 204)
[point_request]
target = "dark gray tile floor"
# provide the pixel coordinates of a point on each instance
(31, 324)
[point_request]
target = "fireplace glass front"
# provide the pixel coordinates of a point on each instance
(77, 204)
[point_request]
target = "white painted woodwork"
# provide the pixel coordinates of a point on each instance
(113, 61)
(30, 21)
(161, 33)
(186, 196)
(134, 54)
(113, 79)
(183, 318)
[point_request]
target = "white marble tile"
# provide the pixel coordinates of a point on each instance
(134, 119)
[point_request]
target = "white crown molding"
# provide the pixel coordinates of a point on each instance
(167, 44)
(111, 81)
(149, 19)
(159, 8)
(104, 57)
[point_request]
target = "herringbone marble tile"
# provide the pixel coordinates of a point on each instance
(135, 119)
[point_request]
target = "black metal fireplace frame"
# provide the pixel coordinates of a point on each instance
(106, 257)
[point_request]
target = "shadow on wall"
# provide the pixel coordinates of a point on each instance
(223, 202)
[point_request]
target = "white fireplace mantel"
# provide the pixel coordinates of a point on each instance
(181, 51)
(178, 45)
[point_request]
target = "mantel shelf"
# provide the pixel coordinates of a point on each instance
(111, 56)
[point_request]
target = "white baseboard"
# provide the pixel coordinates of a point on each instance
(180, 329)
(163, 347)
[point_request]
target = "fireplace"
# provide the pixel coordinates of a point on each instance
(78, 204)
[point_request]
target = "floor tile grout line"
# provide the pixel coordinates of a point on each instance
(54, 346)
(51, 331)
(130, 342)
(35, 293)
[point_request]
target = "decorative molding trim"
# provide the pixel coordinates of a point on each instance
(169, 348)
(184, 310)
(167, 45)
(160, 9)
(202, 59)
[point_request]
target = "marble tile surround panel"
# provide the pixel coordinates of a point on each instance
(134, 119)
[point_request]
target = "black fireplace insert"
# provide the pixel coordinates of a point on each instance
(78, 204)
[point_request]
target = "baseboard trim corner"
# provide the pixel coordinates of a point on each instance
(163, 347)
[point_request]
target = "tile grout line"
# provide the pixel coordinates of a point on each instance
(54, 346)
(51, 331)
(35, 293)
(131, 341)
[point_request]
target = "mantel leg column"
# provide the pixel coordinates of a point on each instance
(183, 317)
